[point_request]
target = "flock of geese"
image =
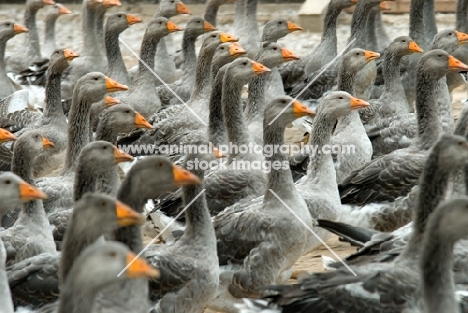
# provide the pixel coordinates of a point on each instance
(72, 213)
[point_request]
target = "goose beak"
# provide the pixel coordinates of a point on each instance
(383, 6)
(139, 268)
(413, 47)
(293, 27)
(126, 216)
(132, 19)
(141, 122)
(288, 55)
(456, 65)
(172, 27)
(111, 3)
(120, 156)
(225, 37)
(69, 54)
(182, 8)
(218, 154)
(63, 10)
(208, 27)
(6, 136)
(371, 55)
(46, 143)
(29, 193)
(235, 50)
(357, 103)
(18, 29)
(110, 101)
(462, 38)
(184, 177)
(48, 2)
(353, 2)
(113, 86)
(300, 109)
(259, 68)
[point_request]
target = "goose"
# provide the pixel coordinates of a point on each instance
(96, 110)
(320, 290)
(94, 215)
(99, 267)
(22, 58)
(5, 153)
(50, 20)
(183, 87)
(249, 35)
(99, 20)
(453, 79)
(89, 89)
(211, 10)
(142, 95)
(405, 165)
(8, 30)
(30, 234)
(147, 179)
(115, 25)
(373, 25)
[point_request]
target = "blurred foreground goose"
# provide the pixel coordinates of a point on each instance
(387, 287)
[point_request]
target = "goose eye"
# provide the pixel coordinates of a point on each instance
(128, 111)
(105, 147)
(440, 55)
(113, 254)
(222, 48)
(103, 203)
(460, 143)
(244, 63)
(280, 23)
(357, 53)
(8, 182)
(160, 164)
(275, 48)
(404, 40)
(340, 98)
(95, 78)
(450, 34)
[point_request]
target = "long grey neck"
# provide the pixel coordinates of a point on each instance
(78, 129)
(85, 181)
(346, 80)
(239, 15)
(147, 53)
(99, 23)
(190, 56)
(251, 16)
(3, 44)
(432, 187)
(53, 111)
(391, 73)
(426, 110)
(416, 27)
(33, 40)
(232, 112)
(371, 41)
(90, 41)
(437, 277)
(114, 55)
(430, 25)
(49, 41)
(256, 99)
(211, 12)
(216, 129)
(202, 80)
(461, 13)
(329, 39)
(358, 22)
(279, 179)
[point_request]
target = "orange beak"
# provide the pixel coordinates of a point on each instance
(6, 136)
(48, 2)
(357, 103)
(46, 143)
(383, 6)
(182, 8)
(183, 177)
(69, 54)
(113, 86)
(370, 55)
(235, 50)
(172, 27)
(456, 65)
(18, 29)
(300, 109)
(29, 193)
(63, 9)
(413, 47)
(141, 122)
(288, 55)
(208, 27)
(218, 154)
(354, 1)
(110, 101)
(462, 38)
(140, 268)
(121, 156)
(126, 216)
(132, 19)
(225, 37)
(293, 27)
(111, 3)
(259, 68)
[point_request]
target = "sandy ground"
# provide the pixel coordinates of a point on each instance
(299, 42)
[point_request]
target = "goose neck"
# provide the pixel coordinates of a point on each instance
(329, 27)
(148, 51)
(49, 40)
(461, 12)
(78, 293)
(391, 72)
(90, 42)
(33, 40)
(430, 25)
(256, 99)
(202, 80)
(114, 54)
(188, 48)
(53, 111)
(358, 22)
(346, 79)
(211, 12)
(216, 128)
(416, 27)
(371, 41)
(426, 110)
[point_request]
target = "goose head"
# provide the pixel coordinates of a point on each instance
(284, 110)
(340, 103)
(243, 69)
(227, 52)
(278, 28)
(60, 59)
(93, 86)
(8, 30)
(437, 63)
(15, 191)
(198, 26)
(355, 59)
(6, 136)
(120, 21)
(271, 54)
(213, 39)
(101, 156)
(404, 45)
(449, 40)
(160, 26)
(171, 8)
(35, 5)
(124, 118)
(32, 142)
(343, 4)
